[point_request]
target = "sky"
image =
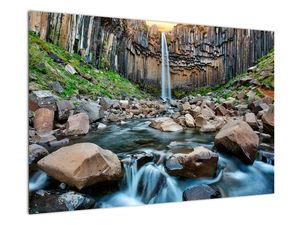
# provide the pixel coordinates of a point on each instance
(162, 26)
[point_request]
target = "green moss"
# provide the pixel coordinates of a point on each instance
(88, 81)
(168, 39)
(146, 28)
(264, 77)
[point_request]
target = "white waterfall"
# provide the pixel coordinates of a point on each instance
(165, 69)
(146, 185)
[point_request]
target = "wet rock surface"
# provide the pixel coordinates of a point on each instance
(43, 201)
(200, 192)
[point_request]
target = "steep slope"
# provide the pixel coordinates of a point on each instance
(199, 55)
(259, 79)
(49, 64)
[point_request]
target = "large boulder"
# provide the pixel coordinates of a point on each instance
(221, 111)
(258, 105)
(112, 117)
(268, 121)
(201, 162)
(195, 111)
(189, 120)
(200, 121)
(81, 165)
(35, 153)
(43, 120)
(41, 99)
(200, 192)
(106, 103)
(238, 138)
(78, 124)
(93, 110)
(250, 118)
(185, 106)
(165, 124)
(64, 109)
(49, 201)
(207, 112)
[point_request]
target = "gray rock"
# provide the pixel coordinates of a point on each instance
(200, 192)
(48, 201)
(76, 201)
(252, 69)
(268, 121)
(55, 85)
(59, 143)
(106, 103)
(41, 99)
(35, 153)
(64, 109)
(70, 69)
(93, 110)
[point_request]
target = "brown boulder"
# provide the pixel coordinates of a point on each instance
(221, 111)
(200, 121)
(268, 121)
(113, 117)
(181, 121)
(78, 124)
(165, 124)
(199, 163)
(189, 120)
(207, 112)
(250, 118)
(238, 138)
(185, 106)
(81, 165)
(43, 120)
(195, 111)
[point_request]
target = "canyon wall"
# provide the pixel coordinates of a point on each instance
(199, 55)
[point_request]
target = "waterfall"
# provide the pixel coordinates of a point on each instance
(165, 69)
(146, 185)
(37, 181)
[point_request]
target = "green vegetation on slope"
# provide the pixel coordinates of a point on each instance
(263, 75)
(87, 80)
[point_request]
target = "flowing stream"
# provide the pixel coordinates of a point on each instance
(150, 183)
(165, 69)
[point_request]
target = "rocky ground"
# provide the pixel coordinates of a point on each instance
(240, 113)
(241, 130)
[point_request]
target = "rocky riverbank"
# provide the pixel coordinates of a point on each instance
(244, 131)
(97, 140)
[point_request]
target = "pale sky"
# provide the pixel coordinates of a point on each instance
(162, 26)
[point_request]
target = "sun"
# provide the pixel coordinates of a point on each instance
(162, 26)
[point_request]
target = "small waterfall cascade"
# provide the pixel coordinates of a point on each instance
(145, 185)
(37, 181)
(165, 69)
(150, 183)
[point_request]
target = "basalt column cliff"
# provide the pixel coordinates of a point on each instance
(198, 55)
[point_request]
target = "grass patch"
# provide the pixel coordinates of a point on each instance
(88, 80)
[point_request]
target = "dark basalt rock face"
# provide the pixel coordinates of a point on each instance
(199, 55)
